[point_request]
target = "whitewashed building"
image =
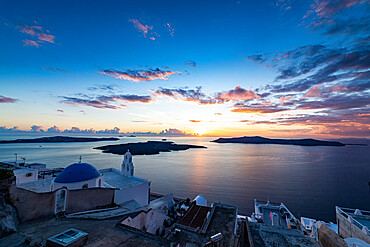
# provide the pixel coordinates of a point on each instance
(123, 186)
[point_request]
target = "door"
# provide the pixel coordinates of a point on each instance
(60, 201)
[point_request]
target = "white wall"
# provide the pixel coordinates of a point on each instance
(78, 185)
(154, 221)
(139, 193)
(25, 176)
(149, 221)
(137, 222)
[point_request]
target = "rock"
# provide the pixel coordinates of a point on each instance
(8, 218)
(8, 214)
(36, 242)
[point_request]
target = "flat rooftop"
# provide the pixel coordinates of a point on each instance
(116, 180)
(267, 235)
(101, 233)
(195, 217)
(21, 170)
(267, 211)
(39, 186)
(223, 220)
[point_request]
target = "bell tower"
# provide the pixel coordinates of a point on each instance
(127, 168)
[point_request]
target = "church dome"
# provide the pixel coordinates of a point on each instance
(77, 172)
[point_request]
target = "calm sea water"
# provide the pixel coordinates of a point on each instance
(311, 181)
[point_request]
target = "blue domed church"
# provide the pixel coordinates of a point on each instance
(80, 187)
(78, 176)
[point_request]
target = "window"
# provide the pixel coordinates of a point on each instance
(29, 174)
(85, 186)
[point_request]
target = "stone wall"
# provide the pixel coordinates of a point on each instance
(88, 199)
(31, 205)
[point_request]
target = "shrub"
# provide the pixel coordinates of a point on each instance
(5, 173)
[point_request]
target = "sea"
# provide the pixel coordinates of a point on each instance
(310, 181)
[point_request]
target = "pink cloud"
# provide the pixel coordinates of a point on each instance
(315, 91)
(138, 75)
(284, 99)
(140, 27)
(28, 42)
(238, 93)
(170, 29)
(4, 99)
(36, 31)
(319, 91)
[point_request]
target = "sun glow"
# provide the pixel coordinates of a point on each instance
(201, 130)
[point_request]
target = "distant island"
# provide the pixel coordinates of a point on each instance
(263, 140)
(149, 147)
(59, 139)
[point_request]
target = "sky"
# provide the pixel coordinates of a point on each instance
(285, 68)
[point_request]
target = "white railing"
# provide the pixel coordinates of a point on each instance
(350, 218)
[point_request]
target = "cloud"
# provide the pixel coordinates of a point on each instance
(339, 102)
(236, 94)
(53, 129)
(37, 32)
(191, 63)
(350, 26)
(257, 108)
(140, 75)
(334, 17)
(89, 102)
(144, 29)
(59, 110)
(353, 122)
(195, 121)
(28, 42)
(109, 87)
(307, 66)
(259, 58)
(4, 99)
(170, 29)
(284, 99)
(106, 101)
(185, 94)
(36, 128)
(55, 69)
(140, 27)
(330, 8)
(76, 130)
(126, 97)
(196, 95)
(174, 132)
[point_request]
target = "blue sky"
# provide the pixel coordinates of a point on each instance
(136, 65)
